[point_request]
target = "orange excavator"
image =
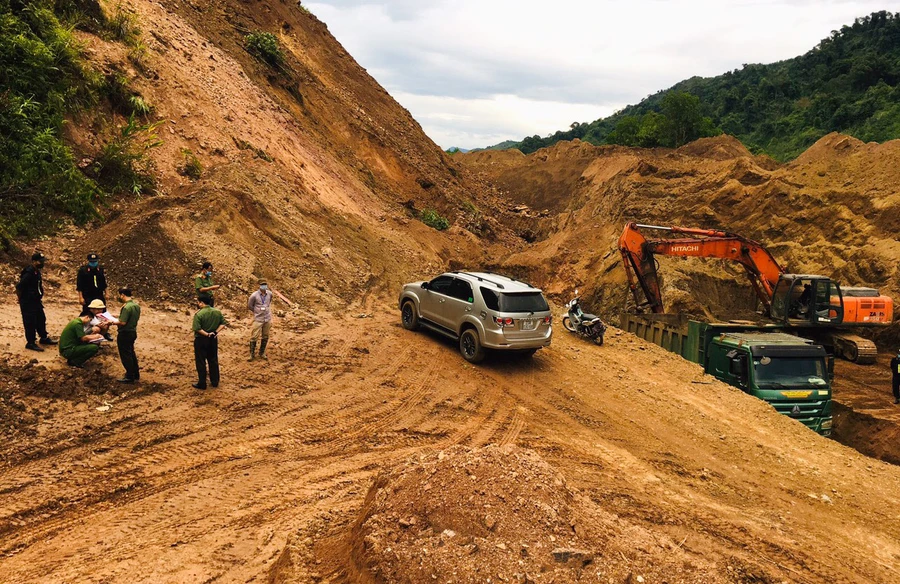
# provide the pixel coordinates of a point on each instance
(814, 306)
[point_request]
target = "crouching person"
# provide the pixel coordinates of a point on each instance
(76, 344)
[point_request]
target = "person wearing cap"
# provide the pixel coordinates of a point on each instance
(127, 323)
(203, 282)
(895, 377)
(91, 284)
(260, 305)
(30, 294)
(91, 281)
(208, 321)
(77, 343)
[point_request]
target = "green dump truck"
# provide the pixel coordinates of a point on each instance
(791, 373)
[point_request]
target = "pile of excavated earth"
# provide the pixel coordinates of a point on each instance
(363, 452)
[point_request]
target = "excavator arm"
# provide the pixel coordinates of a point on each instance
(638, 257)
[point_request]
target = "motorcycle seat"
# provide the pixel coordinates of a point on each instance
(588, 317)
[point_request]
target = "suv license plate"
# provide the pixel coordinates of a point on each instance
(528, 324)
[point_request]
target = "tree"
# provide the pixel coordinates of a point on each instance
(626, 132)
(684, 120)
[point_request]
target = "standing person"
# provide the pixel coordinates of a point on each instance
(76, 344)
(91, 281)
(30, 293)
(208, 321)
(127, 323)
(260, 305)
(203, 282)
(895, 377)
(91, 285)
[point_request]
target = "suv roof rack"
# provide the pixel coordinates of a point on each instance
(512, 279)
(480, 279)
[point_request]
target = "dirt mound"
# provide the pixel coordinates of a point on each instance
(502, 512)
(722, 147)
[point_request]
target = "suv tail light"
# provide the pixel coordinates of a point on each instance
(504, 322)
(548, 319)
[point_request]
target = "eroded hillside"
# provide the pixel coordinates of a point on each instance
(831, 211)
(312, 174)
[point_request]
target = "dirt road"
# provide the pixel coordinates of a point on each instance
(263, 478)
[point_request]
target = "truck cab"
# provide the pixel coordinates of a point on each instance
(791, 373)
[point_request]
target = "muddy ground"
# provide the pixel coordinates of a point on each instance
(307, 468)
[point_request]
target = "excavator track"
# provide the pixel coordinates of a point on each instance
(854, 348)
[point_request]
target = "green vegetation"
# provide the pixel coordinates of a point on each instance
(431, 218)
(122, 166)
(849, 83)
(122, 26)
(264, 45)
(680, 122)
(44, 81)
(191, 167)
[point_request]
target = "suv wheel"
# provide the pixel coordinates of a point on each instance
(470, 346)
(408, 317)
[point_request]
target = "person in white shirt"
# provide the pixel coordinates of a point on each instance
(260, 305)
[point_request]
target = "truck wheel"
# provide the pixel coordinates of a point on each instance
(408, 317)
(470, 346)
(567, 324)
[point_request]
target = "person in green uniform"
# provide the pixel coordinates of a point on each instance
(203, 282)
(208, 321)
(127, 323)
(76, 345)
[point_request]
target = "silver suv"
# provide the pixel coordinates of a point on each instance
(479, 310)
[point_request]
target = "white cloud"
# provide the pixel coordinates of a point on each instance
(567, 56)
(471, 123)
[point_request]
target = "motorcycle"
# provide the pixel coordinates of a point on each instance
(581, 323)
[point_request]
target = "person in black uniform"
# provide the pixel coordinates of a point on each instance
(91, 281)
(30, 292)
(895, 377)
(91, 284)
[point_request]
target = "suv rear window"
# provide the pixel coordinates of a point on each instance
(523, 302)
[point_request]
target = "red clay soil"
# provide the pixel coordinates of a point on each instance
(312, 466)
(362, 452)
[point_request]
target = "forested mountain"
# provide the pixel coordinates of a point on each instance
(849, 83)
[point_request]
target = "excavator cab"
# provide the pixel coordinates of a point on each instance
(807, 300)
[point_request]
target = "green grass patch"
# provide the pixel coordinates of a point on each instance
(191, 168)
(433, 219)
(265, 46)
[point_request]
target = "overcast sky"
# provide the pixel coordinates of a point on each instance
(476, 72)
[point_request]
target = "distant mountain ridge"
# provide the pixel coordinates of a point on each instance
(848, 83)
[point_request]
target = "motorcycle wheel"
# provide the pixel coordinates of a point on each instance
(598, 340)
(567, 324)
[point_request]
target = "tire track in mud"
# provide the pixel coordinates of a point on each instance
(293, 441)
(514, 428)
(235, 446)
(262, 487)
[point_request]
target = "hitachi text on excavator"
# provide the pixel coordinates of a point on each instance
(813, 306)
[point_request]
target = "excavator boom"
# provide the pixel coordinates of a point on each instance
(640, 264)
(809, 303)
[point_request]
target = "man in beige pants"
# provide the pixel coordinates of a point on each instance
(260, 305)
